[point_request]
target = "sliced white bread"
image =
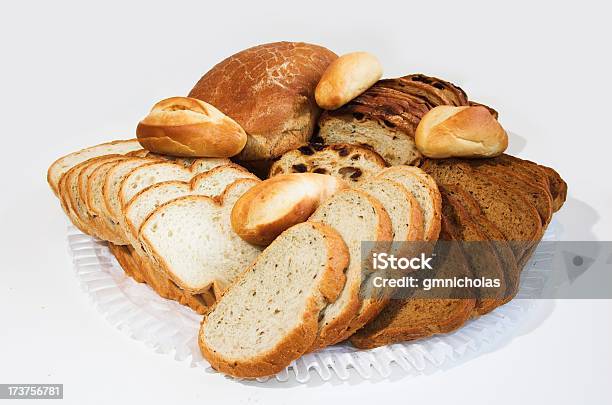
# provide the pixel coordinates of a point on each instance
(191, 240)
(111, 209)
(269, 317)
(425, 190)
(211, 184)
(157, 172)
(63, 164)
(358, 217)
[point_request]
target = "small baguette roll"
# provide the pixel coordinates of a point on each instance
(470, 132)
(183, 126)
(346, 78)
(276, 204)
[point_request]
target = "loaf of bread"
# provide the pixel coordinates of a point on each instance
(269, 91)
(182, 126)
(346, 78)
(266, 210)
(351, 163)
(471, 132)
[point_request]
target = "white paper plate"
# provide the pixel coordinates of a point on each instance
(170, 328)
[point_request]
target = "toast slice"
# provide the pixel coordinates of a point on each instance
(425, 191)
(421, 315)
(358, 217)
(352, 163)
(63, 164)
(269, 317)
(192, 241)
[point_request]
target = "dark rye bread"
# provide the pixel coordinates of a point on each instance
(492, 234)
(539, 196)
(504, 206)
(556, 185)
(481, 255)
(352, 163)
(422, 316)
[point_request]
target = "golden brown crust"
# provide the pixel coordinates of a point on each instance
(346, 78)
(299, 340)
(182, 126)
(276, 204)
(269, 90)
(447, 131)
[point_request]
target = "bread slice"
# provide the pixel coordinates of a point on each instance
(425, 191)
(191, 240)
(394, 145)
(63, 164)
(140, 271)
(358, 217)
(421, 315)
(269, 317)
(352, 163)
(501, 204)
(211, 184)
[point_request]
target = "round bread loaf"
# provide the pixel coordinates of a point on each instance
(269, 91)
(182, 126)
(470, 132)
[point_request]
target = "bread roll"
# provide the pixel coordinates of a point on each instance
(269, 91)
(346, 78)
(276, 204)
(447, 131)
(182, 126)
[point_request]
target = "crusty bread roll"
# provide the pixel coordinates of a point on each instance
(183, 126)
(346, 78)
(447, 131)
(269, 91)
(276, 204)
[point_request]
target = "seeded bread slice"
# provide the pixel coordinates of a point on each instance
(63, 164)
(269, 317)
(192, 241)
(358, 217)
(349, 162)
(425, 190)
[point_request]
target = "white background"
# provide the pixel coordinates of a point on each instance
(74, 74)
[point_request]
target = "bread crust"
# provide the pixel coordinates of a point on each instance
(291, 197)
(269, 90)
(57, 169)
(299, 340)
(472, 132)
(346, 78)
(182, 126)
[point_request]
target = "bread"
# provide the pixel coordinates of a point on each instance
(141, 271)
(183, 126)
(270, 315)
(358, 217)
(385, 117)
(447, 131)
(425, 191)
(346, 78)
(269, 91)
(266, 210)
(422, 315)
(63, 164)
(191, 240)
(211, 183)
(503, 205)
(349, 162)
